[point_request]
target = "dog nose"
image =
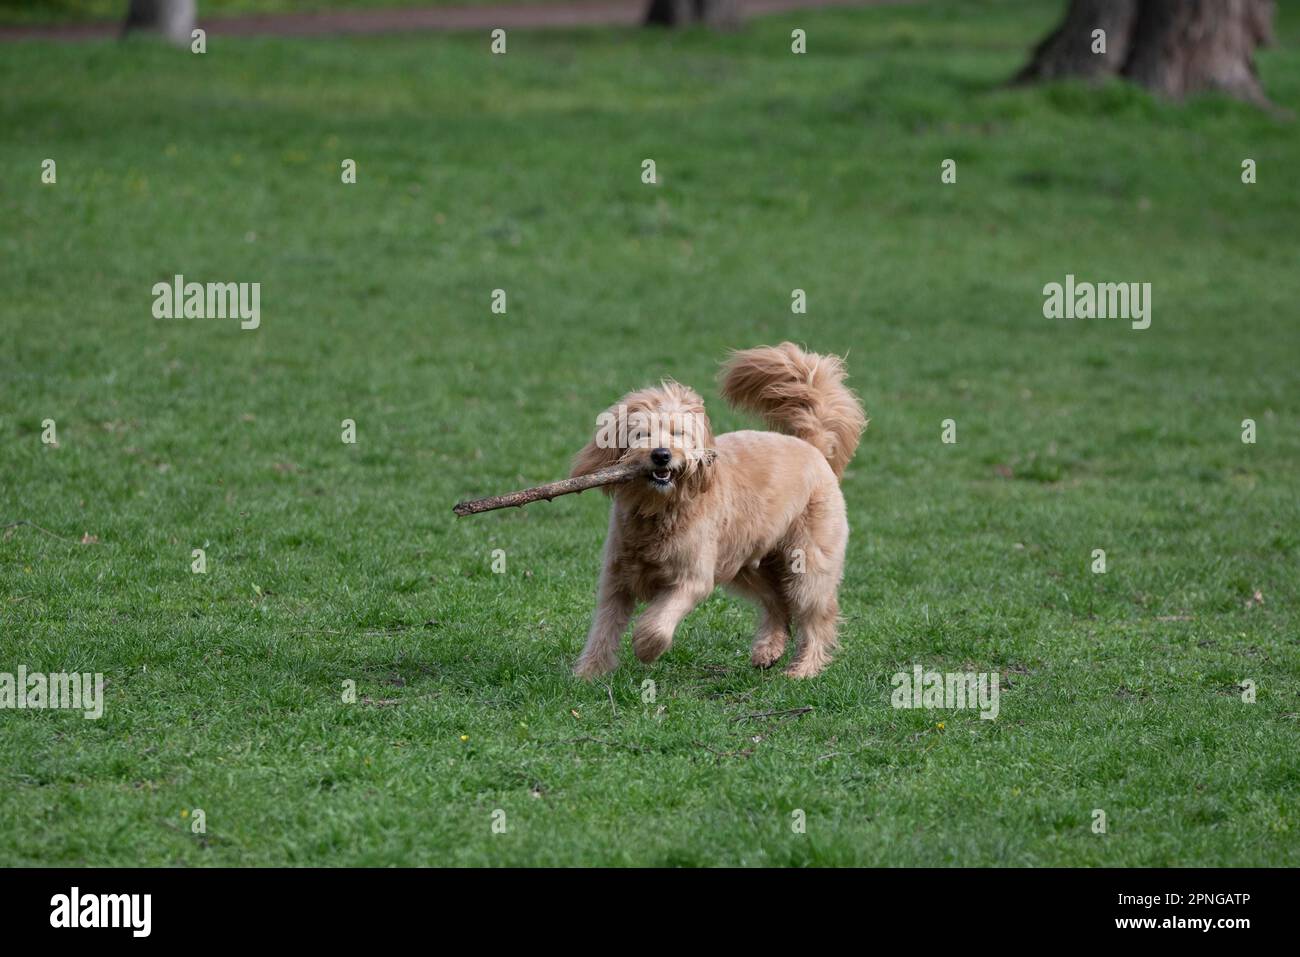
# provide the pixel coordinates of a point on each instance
(661, 456)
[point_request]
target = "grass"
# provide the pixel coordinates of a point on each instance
(330, 562)
(49, 12)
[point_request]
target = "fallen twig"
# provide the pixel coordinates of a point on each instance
(369, 633)
(746, 753)
(609, 744)
(62, 538)
(790, 712)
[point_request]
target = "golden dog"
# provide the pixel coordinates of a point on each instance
(758, 512)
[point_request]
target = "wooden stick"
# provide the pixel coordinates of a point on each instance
(610, 476)
(789, 712)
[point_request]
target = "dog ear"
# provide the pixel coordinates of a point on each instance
(601, 452)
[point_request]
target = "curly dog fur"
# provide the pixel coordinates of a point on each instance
(763, 516)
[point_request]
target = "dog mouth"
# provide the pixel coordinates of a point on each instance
(661, 477)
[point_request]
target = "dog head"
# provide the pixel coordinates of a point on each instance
(663, 429)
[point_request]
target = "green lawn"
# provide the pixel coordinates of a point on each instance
(45, 12)
(330, 562)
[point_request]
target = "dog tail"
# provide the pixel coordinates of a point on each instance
(801, 393)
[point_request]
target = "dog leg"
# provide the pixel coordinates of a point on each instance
(613, 612)
(817, 640)
(769, 643)
(813, 599)
(763, 586)
(819, 539)
(653, 634)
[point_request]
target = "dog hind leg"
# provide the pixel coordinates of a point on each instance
(817, 623)
(763, 586)
(812, 595)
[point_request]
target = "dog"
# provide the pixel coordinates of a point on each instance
(760, 513)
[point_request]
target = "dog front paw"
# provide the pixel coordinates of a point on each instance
(649, 645)
(806, 669)
(588, 668)
(766, 654)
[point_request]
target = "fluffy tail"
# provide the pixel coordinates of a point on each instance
(801, 393)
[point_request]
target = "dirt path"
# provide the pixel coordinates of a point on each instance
(517, 16)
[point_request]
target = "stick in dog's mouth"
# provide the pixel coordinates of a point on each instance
(610, 476)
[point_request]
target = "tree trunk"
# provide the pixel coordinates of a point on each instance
(1191, 46)
(1067, 50)
(174, 19)
(721, 14)
(1172, 47)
